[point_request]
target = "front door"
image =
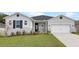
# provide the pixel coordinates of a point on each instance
(36, 27)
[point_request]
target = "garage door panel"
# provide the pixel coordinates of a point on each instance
(60, 28)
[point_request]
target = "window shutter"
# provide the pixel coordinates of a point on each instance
(21, 24)
(13, 23)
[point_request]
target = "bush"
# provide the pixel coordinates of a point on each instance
(35, 33)
(12, 34)
(24, 32)
(18, 33)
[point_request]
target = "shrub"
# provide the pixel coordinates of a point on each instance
(12, 34)
(24, 32)
(34, 33)
(18, 33)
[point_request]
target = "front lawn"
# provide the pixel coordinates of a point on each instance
(40, 40)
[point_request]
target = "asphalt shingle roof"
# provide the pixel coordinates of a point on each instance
(41, 17)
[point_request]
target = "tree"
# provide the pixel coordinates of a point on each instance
(2, 15)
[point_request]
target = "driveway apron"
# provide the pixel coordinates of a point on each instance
(68, 39)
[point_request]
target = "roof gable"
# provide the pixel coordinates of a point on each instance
(16, 14)
(64, 17)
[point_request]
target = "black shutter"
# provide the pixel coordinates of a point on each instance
(14, 24)
(21, 24)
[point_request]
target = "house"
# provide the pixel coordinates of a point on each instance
(77, 25)
(61, 24)
(19, 23)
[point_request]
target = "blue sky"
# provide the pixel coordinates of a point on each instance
(74, 15)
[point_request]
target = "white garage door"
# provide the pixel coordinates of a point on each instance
(60, 29)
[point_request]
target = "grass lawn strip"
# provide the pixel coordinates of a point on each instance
(40, 40)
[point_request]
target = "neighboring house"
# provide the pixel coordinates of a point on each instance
(2, 29)
(38, 24)
(77, 25)
(61, 24)
(2, 25)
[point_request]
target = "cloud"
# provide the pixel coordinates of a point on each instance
(73, 15)
(8, 13)
(69, 14)
(36, 13)
(27, 13)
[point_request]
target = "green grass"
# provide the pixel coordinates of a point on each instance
(40, 40)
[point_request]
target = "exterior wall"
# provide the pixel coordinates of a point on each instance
(65, 20)
(41, 30)
(9, 28)
(45, 27)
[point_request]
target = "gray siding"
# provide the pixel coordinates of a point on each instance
(77, 26)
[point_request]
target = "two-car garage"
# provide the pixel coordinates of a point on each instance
(61, 24)
(60, 28)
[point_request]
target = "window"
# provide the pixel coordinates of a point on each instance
(17, 24)
(61, 17)
(25, 22)
(17, 15)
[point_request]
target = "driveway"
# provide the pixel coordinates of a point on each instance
(68, 39)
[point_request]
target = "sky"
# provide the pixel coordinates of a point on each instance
(73, 15)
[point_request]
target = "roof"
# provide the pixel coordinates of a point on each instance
(41, 17)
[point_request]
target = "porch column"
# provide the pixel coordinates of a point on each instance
(33, 26)
(46, 27)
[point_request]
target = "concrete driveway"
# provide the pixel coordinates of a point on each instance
(68, 39)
